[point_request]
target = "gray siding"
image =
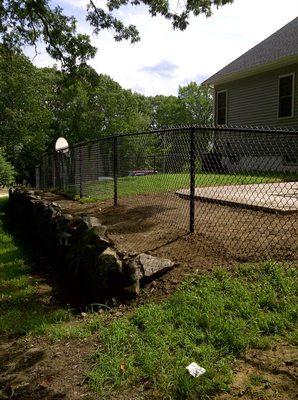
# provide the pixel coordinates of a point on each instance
(254, 100)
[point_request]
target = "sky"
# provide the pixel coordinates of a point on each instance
(166, 58)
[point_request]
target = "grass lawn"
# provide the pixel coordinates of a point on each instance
(210, 320)
(23, 308)
(136, 185)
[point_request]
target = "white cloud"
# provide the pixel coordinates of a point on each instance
(75, 3)
(163, 69)
(205, 47)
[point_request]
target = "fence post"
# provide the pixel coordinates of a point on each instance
(115, 170)
(60, 161)
(80, 171)
(37, 176)
(192, 175)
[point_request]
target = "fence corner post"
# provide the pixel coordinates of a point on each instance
(115, 170)
(192, 175)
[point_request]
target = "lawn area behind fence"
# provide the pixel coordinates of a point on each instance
(158, 183)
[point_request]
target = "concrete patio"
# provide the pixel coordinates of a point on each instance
(279, 197)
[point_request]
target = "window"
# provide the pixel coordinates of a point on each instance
(286, 96)
(221, 111)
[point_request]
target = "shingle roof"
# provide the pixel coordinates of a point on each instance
(283, 43)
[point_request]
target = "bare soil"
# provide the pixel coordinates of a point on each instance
(270, 375)
(34, 368)
(159, 224)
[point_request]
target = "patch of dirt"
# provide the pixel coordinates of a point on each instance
(34, 368)
(266, 375)
(151, 221)
(224, 235)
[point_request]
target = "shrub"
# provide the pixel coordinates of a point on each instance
(7, 171)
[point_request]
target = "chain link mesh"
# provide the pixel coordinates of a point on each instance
(237, 186)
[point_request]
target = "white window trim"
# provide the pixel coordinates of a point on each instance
(216, 106)
(293, 94)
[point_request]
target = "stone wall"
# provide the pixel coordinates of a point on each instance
(80, 249)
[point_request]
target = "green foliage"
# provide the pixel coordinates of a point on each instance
(25, 122)
(7, 172)
(28, 22)
(39, 105)
(197, 103)
(25, 23)
(167, 111)
(93, 105)
(22, 308)
(193, 106)
(210, 319)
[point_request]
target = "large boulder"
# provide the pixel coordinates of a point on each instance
(92, 222)
(144, 268)
(105, 274)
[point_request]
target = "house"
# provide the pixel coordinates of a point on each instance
(260, 88)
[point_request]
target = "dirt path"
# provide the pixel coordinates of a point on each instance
(270, 375)
(34, 368)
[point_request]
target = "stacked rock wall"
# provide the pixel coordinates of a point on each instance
(80, 249)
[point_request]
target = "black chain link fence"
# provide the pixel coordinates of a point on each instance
(233, 186)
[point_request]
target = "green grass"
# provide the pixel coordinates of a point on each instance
(22, 308)
(210, 320)
(136, 185)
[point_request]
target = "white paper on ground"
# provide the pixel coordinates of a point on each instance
(195, 370)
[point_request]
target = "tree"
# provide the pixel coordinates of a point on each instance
(25, 22)
(197, 103)
(25, 116)
(92, 106)
(166, 111)
(193, 106)
(39, 105)
(7, 172)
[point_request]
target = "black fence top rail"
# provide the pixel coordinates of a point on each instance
(183, 128)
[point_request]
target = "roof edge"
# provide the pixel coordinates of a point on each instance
(284, 61)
